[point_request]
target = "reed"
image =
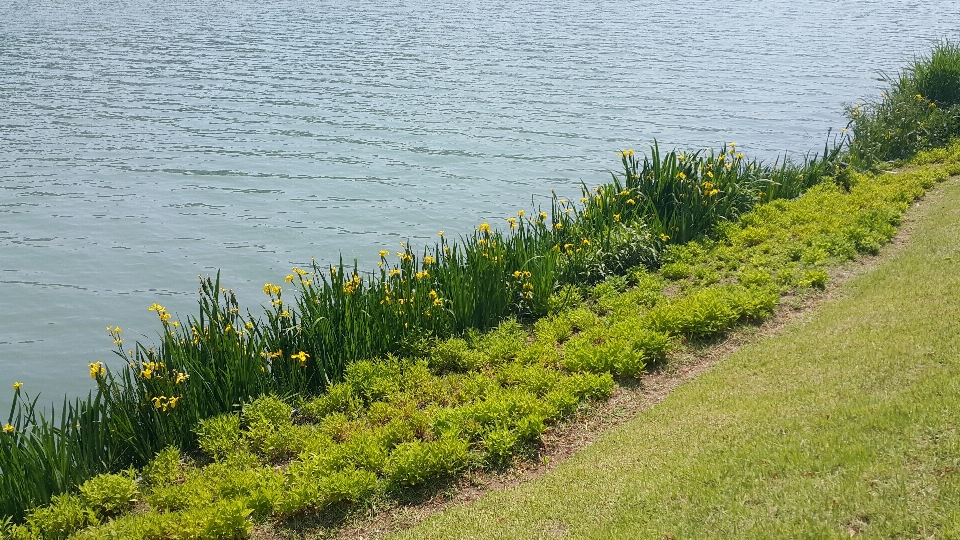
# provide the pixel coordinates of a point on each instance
(919, 110)
(43, 455)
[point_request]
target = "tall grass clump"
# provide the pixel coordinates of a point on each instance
(919, 110)
(156, 399)
(684, 195)
(204, 367)
(340, 315)
(42, 455)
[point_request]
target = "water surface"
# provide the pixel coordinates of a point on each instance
(145, 143)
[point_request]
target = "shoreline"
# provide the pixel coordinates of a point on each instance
(357, 390)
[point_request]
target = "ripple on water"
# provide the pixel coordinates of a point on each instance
(146, 143)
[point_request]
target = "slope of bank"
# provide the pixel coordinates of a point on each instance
(842, 425)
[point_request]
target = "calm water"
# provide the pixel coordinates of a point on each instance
(144, 143)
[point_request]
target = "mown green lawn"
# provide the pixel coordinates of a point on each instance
(843, 424)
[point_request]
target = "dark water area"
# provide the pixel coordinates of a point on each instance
(145, 143)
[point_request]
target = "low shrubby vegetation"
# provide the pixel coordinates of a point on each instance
(385, 385)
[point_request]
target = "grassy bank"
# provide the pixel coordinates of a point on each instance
(398, 429)
(843, 425)
(377, 388)
(327, 319)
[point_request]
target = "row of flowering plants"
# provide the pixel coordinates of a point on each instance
(322, 319)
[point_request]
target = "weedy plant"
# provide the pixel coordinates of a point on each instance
(919, 110)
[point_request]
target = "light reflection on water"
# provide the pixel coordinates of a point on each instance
(146, 143)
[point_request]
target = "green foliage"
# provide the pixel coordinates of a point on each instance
(500, 445)
(536, 379)
(687, 194)
(920, 110)
(40, 458)
(268, 410)
(675, 270)
(372, 380)
(268, 428)
(814, 278)
(646, 293)
(410, 429)
(937, 76)
(239, 476)
(339, 398)
(349, 485)
(8, 531)
(311, 486)
(109, 495)
(712, 311)
(554, 329)
(501, 344)
(620, 247)
(219, 436)
(193, 492)
(164, 469)
(363, 450)
(597, 386)
(416, 463)
(622, 350)
(787, 244)
(609, 287)
(455, 354)
(225, 520)
(567, 297)
(65, 515)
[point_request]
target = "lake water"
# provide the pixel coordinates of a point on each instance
(144, 143)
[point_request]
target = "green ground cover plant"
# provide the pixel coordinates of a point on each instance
(389, 383)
